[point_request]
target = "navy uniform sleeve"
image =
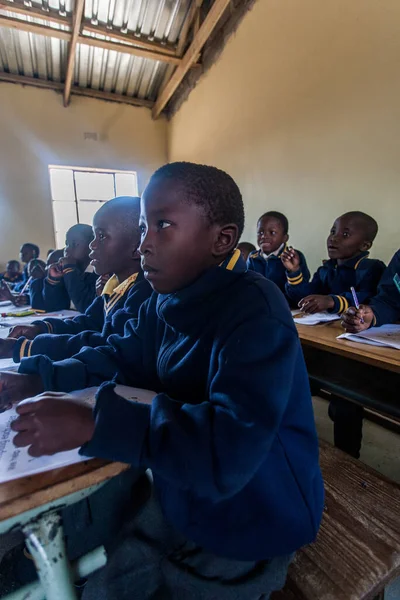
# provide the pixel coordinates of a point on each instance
(36, 296)
(55, 296)
(92, 319)
(368, 276)
(153, 435)
(81, 287)
(386, 304)
(298, 285)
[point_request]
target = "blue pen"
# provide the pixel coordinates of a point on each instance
(356, 302)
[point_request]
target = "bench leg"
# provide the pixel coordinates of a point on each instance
(45, 541)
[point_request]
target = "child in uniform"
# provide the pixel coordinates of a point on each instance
(349, 242)
(72, 274)
(245, 249)
(114, 249)
(272, 238)
(384, 307)
(13, 273)
(230, 433)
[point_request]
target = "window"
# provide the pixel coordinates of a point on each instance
(78, 193)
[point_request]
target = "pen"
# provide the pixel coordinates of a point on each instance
(356, 302)
(25, 287)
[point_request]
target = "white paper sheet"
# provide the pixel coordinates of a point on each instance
(16, 462)
(13, 321)
(5, 303)
(321, 317)
(387, 336)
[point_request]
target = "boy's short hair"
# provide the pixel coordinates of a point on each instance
(247, 246)
(368, 223)
(14, 262)
(274, 214)
(210, 188)
(83, 230)
(33, 247)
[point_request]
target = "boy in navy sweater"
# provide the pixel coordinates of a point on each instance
(384, 307)
(72, 274)
(230, 433)
(349, 242)
(272, 238)
(12, 273)
(114, 249)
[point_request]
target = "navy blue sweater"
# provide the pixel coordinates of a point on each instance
(230, 435)
(105, 316)
(335, 280)
(273, 268)
(386, 304)
(80, 287)
(42, 296)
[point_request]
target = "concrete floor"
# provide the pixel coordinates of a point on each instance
(380, 450)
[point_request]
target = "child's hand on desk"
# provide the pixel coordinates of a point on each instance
(316, 303)
(7, 347)
(291, 260)
(354, 320)
(16, 386)
(28, 331)
(53, 422)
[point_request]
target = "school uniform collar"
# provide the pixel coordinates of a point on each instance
(351, 263)
(113, 286)
(276, 252)
(191, 305)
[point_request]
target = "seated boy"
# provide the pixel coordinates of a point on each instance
(114, 249)
(72, 274)
(245, 249)
(12, 273)
(27, 253)
(272, 237)
(349, 242)
(37, 296)
(384, 307)
(229, 435)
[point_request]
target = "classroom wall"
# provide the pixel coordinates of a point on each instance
(303, 110)
(36, 130)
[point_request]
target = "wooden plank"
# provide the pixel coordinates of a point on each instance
(357, 551)
(324, 337)
(87, 92)
(78, 13)
(127, 49)
(51, 16)
(34, 28)
(190, 57)
(27, 493)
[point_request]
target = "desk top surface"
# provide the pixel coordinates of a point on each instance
(27, 493)
(324, 337)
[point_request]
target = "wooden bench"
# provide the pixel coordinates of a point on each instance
(357, 552)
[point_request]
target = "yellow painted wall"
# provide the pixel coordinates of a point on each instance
(303, 110)
(35, 131)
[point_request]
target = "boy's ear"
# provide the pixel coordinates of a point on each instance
(286, 238)
(366, 246)
(226, 239)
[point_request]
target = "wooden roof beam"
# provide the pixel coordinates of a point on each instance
(76, 27)
(34, 28)
(190, 57)
(76, 90)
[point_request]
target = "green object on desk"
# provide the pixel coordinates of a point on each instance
(25, 313)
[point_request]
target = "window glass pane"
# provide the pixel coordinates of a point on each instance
(62, 185)
(64, 214)
(87, 211)
(126, 184)
(94, 186)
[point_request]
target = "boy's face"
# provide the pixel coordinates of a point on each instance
(12, 268)
(114, 245)
(270, 234)
(76, 247)
(178, 244)
(26, 254)
(347, 238)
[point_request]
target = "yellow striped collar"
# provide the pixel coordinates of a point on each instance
(230, 262)
(114, 287)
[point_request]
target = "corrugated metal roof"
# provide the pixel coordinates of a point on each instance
(34, 55)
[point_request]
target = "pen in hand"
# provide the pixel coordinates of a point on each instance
(356, 302)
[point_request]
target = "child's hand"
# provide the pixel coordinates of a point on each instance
(55, 271)
(100, 283)
(28, 331)
(316, 303)
(291, 260)
(20, 300)
(16, 386)
(7, 348)
(354, 320)
(53, 422)
(38, 272)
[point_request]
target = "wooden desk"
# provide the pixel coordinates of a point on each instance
(32, 504)
(365, 374)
